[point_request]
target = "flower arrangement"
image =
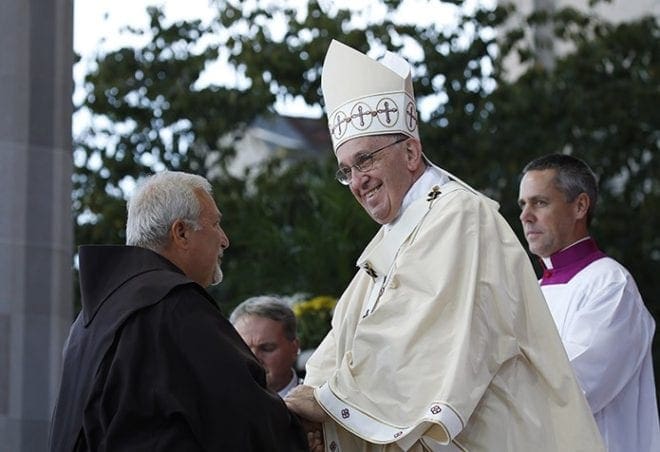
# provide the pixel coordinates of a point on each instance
(313, 317)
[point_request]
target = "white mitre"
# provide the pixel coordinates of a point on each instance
(367, 97)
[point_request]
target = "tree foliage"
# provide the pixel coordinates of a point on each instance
(292, 227)
(148, 114)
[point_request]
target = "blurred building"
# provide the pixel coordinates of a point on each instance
(279, 137)
(615, 11)
(547, 47)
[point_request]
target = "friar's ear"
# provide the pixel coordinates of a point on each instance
(179, 233)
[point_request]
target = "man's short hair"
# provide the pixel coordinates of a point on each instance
(269, 307)
(573, 176)
(158, 202)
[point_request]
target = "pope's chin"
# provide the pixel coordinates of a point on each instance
(373, 215)
(375, 211)
(378, 214)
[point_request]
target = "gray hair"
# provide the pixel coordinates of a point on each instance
(573, 177)
(158, 202)
(268, 307)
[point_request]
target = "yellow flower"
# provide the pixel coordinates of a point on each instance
(313, 317)
(320, 303)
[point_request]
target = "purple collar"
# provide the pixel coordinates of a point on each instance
(568, 262)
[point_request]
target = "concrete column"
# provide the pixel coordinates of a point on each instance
(544, 37)
(36, 60)
(541, 38)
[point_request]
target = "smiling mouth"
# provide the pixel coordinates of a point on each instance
(372, 192)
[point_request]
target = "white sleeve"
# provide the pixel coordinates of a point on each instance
(607, 340)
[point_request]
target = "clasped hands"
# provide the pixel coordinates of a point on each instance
(301, 401)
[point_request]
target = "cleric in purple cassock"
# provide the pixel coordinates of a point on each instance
(602, 320)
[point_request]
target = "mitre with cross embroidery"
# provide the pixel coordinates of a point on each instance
(367, 97)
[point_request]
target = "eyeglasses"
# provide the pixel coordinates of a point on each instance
(364, 163)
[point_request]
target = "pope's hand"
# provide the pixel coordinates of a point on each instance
(301, 401)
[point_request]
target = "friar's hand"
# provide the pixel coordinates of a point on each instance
(301, 401)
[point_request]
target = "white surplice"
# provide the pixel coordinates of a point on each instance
(608, 334)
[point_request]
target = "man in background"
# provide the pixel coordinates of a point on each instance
(268, 327)
(150, 362)
(604, 325)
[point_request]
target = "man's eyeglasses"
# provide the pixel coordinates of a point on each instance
(363, 163)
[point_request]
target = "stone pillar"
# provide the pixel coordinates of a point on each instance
(540, 38)
(544, 36)
(36, 57)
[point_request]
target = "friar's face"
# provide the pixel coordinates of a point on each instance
(386, 176)
(206, 244)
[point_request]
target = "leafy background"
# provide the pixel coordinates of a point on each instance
(293, 229)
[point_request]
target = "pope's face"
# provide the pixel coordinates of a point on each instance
(548, 220)
(380, 190)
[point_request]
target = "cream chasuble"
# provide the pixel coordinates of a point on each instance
(443, 342)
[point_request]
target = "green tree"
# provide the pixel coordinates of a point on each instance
(295, 230)
(148, 114)
(292, 227)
